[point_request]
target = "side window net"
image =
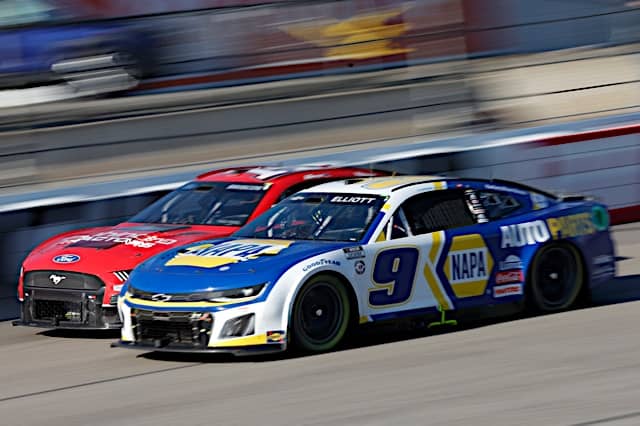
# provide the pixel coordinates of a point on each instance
(438, 211)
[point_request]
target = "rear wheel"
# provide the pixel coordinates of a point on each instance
(556, 278)
(321, 314)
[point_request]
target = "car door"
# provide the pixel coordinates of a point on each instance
(406, 266)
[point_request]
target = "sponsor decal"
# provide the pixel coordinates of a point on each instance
(600, 218)
(108, 239)
(210, 255)
(507, 290)
(360, 267)
(352, 200)
(240, 187)
(505, 189)
(66, 258)
(468, 265)
(574, 225)
(508, 277)
(57, 279)
(511, 262)
(275, 336)
(356, 252)
(320, 262)
(524, 234)
(539, 201)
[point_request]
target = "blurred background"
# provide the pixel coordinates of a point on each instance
(106, 105)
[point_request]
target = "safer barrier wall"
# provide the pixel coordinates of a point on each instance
(22, 230)
(604, 163)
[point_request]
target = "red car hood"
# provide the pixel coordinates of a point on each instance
(116, 248)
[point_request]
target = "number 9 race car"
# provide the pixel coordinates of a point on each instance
(364, 250)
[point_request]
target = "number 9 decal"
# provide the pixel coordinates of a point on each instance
(393, 276)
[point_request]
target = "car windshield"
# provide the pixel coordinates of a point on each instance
(205, 203)
(316, 216)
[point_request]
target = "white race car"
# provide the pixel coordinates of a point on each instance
(364, 250)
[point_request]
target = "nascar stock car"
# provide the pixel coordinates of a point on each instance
(72, 280)
(365, 250)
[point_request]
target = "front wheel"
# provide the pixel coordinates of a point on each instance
(556, 278)
(321, 314)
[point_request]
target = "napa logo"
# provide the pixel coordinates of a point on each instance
(468, 265)
(211, 255)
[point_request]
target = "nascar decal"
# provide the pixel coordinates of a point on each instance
(213, 255)
(110, 238)
(523, 234)
(468, 265)
(356, 252)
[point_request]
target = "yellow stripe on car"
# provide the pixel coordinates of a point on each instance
(429, 271)
(258, 339)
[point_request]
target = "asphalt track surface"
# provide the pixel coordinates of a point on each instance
(576, 368)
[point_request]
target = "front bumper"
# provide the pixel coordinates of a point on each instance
(237, 350)
(180, 327)
(67, 309)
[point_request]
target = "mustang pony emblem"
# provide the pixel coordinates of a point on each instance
(57, 279)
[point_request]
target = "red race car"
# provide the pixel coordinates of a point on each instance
(72, 280)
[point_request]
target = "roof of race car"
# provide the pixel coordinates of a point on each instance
(377, 185)
(262, 174)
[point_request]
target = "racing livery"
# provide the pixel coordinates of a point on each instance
(366, 250)
(72, 280)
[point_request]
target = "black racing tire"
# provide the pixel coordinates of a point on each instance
(555, 278)
(321, 314)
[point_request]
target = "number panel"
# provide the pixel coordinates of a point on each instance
(393, 276)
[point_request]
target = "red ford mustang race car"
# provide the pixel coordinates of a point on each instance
(72, 280)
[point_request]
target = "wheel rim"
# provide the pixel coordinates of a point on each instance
(320, 314)
(556, 276)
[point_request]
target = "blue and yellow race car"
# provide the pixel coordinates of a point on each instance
(365, 250)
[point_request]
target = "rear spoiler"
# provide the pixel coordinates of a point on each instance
(574, 197)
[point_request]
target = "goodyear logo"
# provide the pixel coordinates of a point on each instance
(213, 255)
(574, 225)
(468, 265)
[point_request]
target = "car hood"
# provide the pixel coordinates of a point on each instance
(224, 264)
(115, 248)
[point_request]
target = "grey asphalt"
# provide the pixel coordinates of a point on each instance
(575, 368)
